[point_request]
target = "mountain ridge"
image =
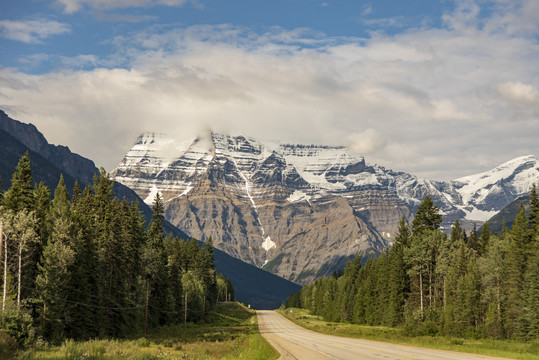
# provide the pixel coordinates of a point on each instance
(253, 286)
(283, 205)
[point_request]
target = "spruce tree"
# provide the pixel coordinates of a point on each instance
(398, 281)
(457, 233)
(427, 217)
(485, 238)
(515, 268)
(1, 192)
(529, 315)
(21, 193)
(473, 240)
(155, 261)
(534, 211)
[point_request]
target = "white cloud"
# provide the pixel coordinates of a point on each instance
(519, 92)
(72, 6)
(366, 9)
(31, 31)
(365, 142)
(435, 102)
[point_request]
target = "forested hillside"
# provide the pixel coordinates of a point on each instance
(86, 266)
(430, 283)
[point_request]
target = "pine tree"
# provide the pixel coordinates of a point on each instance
(457, 233)
(534, 212)
(53, 284)
(84, 275)
(155, 261)
(77, 193)
(492, 267)
(21, 193)
(515, 268)
(485, 238)
(473, 240)
(398, 282)
(427, 217)
(529, 316)
(1, 192)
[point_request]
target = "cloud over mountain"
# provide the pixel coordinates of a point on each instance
(439, 101)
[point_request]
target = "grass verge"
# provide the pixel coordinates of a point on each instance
(491, 347)
(231, 332)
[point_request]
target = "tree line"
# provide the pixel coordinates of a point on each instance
(86, 266)
(465, 285)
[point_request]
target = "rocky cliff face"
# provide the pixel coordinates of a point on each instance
(300, 211)
(70, 163)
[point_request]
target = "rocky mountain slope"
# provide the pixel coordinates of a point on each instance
(252, 285)
(300, 211)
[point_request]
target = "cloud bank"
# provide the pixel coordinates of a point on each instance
(31, 31)
(72, 6)
(438, 102)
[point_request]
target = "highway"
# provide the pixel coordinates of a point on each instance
(295, 342)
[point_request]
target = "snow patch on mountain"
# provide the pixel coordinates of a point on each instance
(157, 162)
(298, 195)
(268, 244)
(149, 200)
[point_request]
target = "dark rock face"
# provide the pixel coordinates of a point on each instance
(252, 285)
(300, 211)
(69, 163)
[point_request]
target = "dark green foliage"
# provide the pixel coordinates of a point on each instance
(473, 240)
(21, 193)
(86, 262)
(430, 283)
(1, 192)
(485, 238)
(427, 217)
(534, 210)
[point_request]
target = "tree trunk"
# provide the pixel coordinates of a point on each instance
(5, 277)
(19, 279)
(421, 290)
(185, 316)
(1, 240)
(147, 306)
(445, 295)
(430, 288)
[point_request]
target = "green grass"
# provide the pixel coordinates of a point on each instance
(231, 332)
(500, 348)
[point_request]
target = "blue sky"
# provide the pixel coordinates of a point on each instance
(441, 89)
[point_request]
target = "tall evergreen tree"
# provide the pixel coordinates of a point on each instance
(1, 192)
(457, 232)
(21, 193)
(473, 240)
(529, 315)
(515, 268)
(427, 217)
(534, 212)
(485, 238)
(155, 261)
(398, 281)
(492, 269)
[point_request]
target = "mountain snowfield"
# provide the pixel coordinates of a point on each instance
(280, 205)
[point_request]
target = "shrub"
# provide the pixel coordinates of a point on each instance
(18, 324)
(8, 346)
(143, 342)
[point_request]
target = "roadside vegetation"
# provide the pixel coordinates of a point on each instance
(465, 288)
(229, 332)
(397, 335)
(83, 265)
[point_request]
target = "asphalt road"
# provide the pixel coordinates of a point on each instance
(295, 342)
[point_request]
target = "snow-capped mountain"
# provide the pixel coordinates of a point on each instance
(300, 210)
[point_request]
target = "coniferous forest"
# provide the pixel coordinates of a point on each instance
(86, 266)
(429, 283)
